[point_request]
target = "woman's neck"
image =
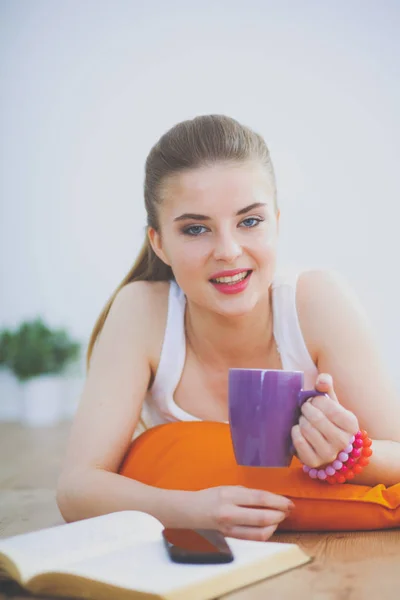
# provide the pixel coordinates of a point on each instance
(231, 342)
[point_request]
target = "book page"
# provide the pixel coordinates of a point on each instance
(50, 549)
(145, 566)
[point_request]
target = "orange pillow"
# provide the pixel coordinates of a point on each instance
(198, 455)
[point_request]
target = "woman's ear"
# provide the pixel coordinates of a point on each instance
(156, 243)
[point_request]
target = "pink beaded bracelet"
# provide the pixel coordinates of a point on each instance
(348, 463)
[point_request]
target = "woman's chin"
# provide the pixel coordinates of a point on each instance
(226, 304)
(235, 306)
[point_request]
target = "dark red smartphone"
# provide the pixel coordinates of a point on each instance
(205, 546)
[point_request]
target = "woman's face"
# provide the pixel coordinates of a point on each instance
(215, 220)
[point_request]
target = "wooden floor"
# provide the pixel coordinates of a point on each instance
(347, 566)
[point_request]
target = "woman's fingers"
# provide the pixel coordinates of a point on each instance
(249, 513)
(325, 427)
(335, 436)
(258, 534)
(324, 384)
(322, 448)
(331, 407)
(244, 496)
(257, 517)
(304, 450)
(334, 422)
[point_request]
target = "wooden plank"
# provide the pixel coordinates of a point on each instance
(347, 566)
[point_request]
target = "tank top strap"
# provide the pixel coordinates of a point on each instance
(173, 350)
(287, 330)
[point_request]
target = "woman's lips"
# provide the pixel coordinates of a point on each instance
(233, 288)
(230, 273)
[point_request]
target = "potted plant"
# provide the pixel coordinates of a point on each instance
(39, 356)
(9, 386)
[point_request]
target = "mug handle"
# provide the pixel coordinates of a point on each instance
(306, 394)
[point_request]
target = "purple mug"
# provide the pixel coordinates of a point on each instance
(264, 405)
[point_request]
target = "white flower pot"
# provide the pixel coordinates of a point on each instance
(42, 401)
(10, 396)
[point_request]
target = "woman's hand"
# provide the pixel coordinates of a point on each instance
(238, 511)
(325, 428)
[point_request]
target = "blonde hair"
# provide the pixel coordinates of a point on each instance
(202, 141)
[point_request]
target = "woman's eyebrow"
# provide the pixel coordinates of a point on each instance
(242, 211)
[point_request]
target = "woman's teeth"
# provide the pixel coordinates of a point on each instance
(234, 279)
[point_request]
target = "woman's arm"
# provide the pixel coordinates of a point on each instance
(92, 492)
(336, 328)
(117, 382)
(109, 410)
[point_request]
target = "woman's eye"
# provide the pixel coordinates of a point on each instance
(194, 230)
(251, 222)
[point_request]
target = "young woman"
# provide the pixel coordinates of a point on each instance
(203, 297)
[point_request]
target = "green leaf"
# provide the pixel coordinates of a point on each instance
(34, 349)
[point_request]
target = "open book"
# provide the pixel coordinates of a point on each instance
(122, 556)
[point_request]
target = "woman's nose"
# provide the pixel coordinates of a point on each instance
(227, 248)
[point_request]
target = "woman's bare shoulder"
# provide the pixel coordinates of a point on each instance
(319, 292)
(152, 294)
(319, 288)
(149, 299)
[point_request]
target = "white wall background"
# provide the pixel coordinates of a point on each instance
(87, 87)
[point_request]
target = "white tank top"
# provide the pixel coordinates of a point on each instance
(159, 406)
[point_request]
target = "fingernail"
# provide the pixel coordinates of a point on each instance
(291, 506)
(325, 379)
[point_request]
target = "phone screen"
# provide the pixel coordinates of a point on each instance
(197, 546)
